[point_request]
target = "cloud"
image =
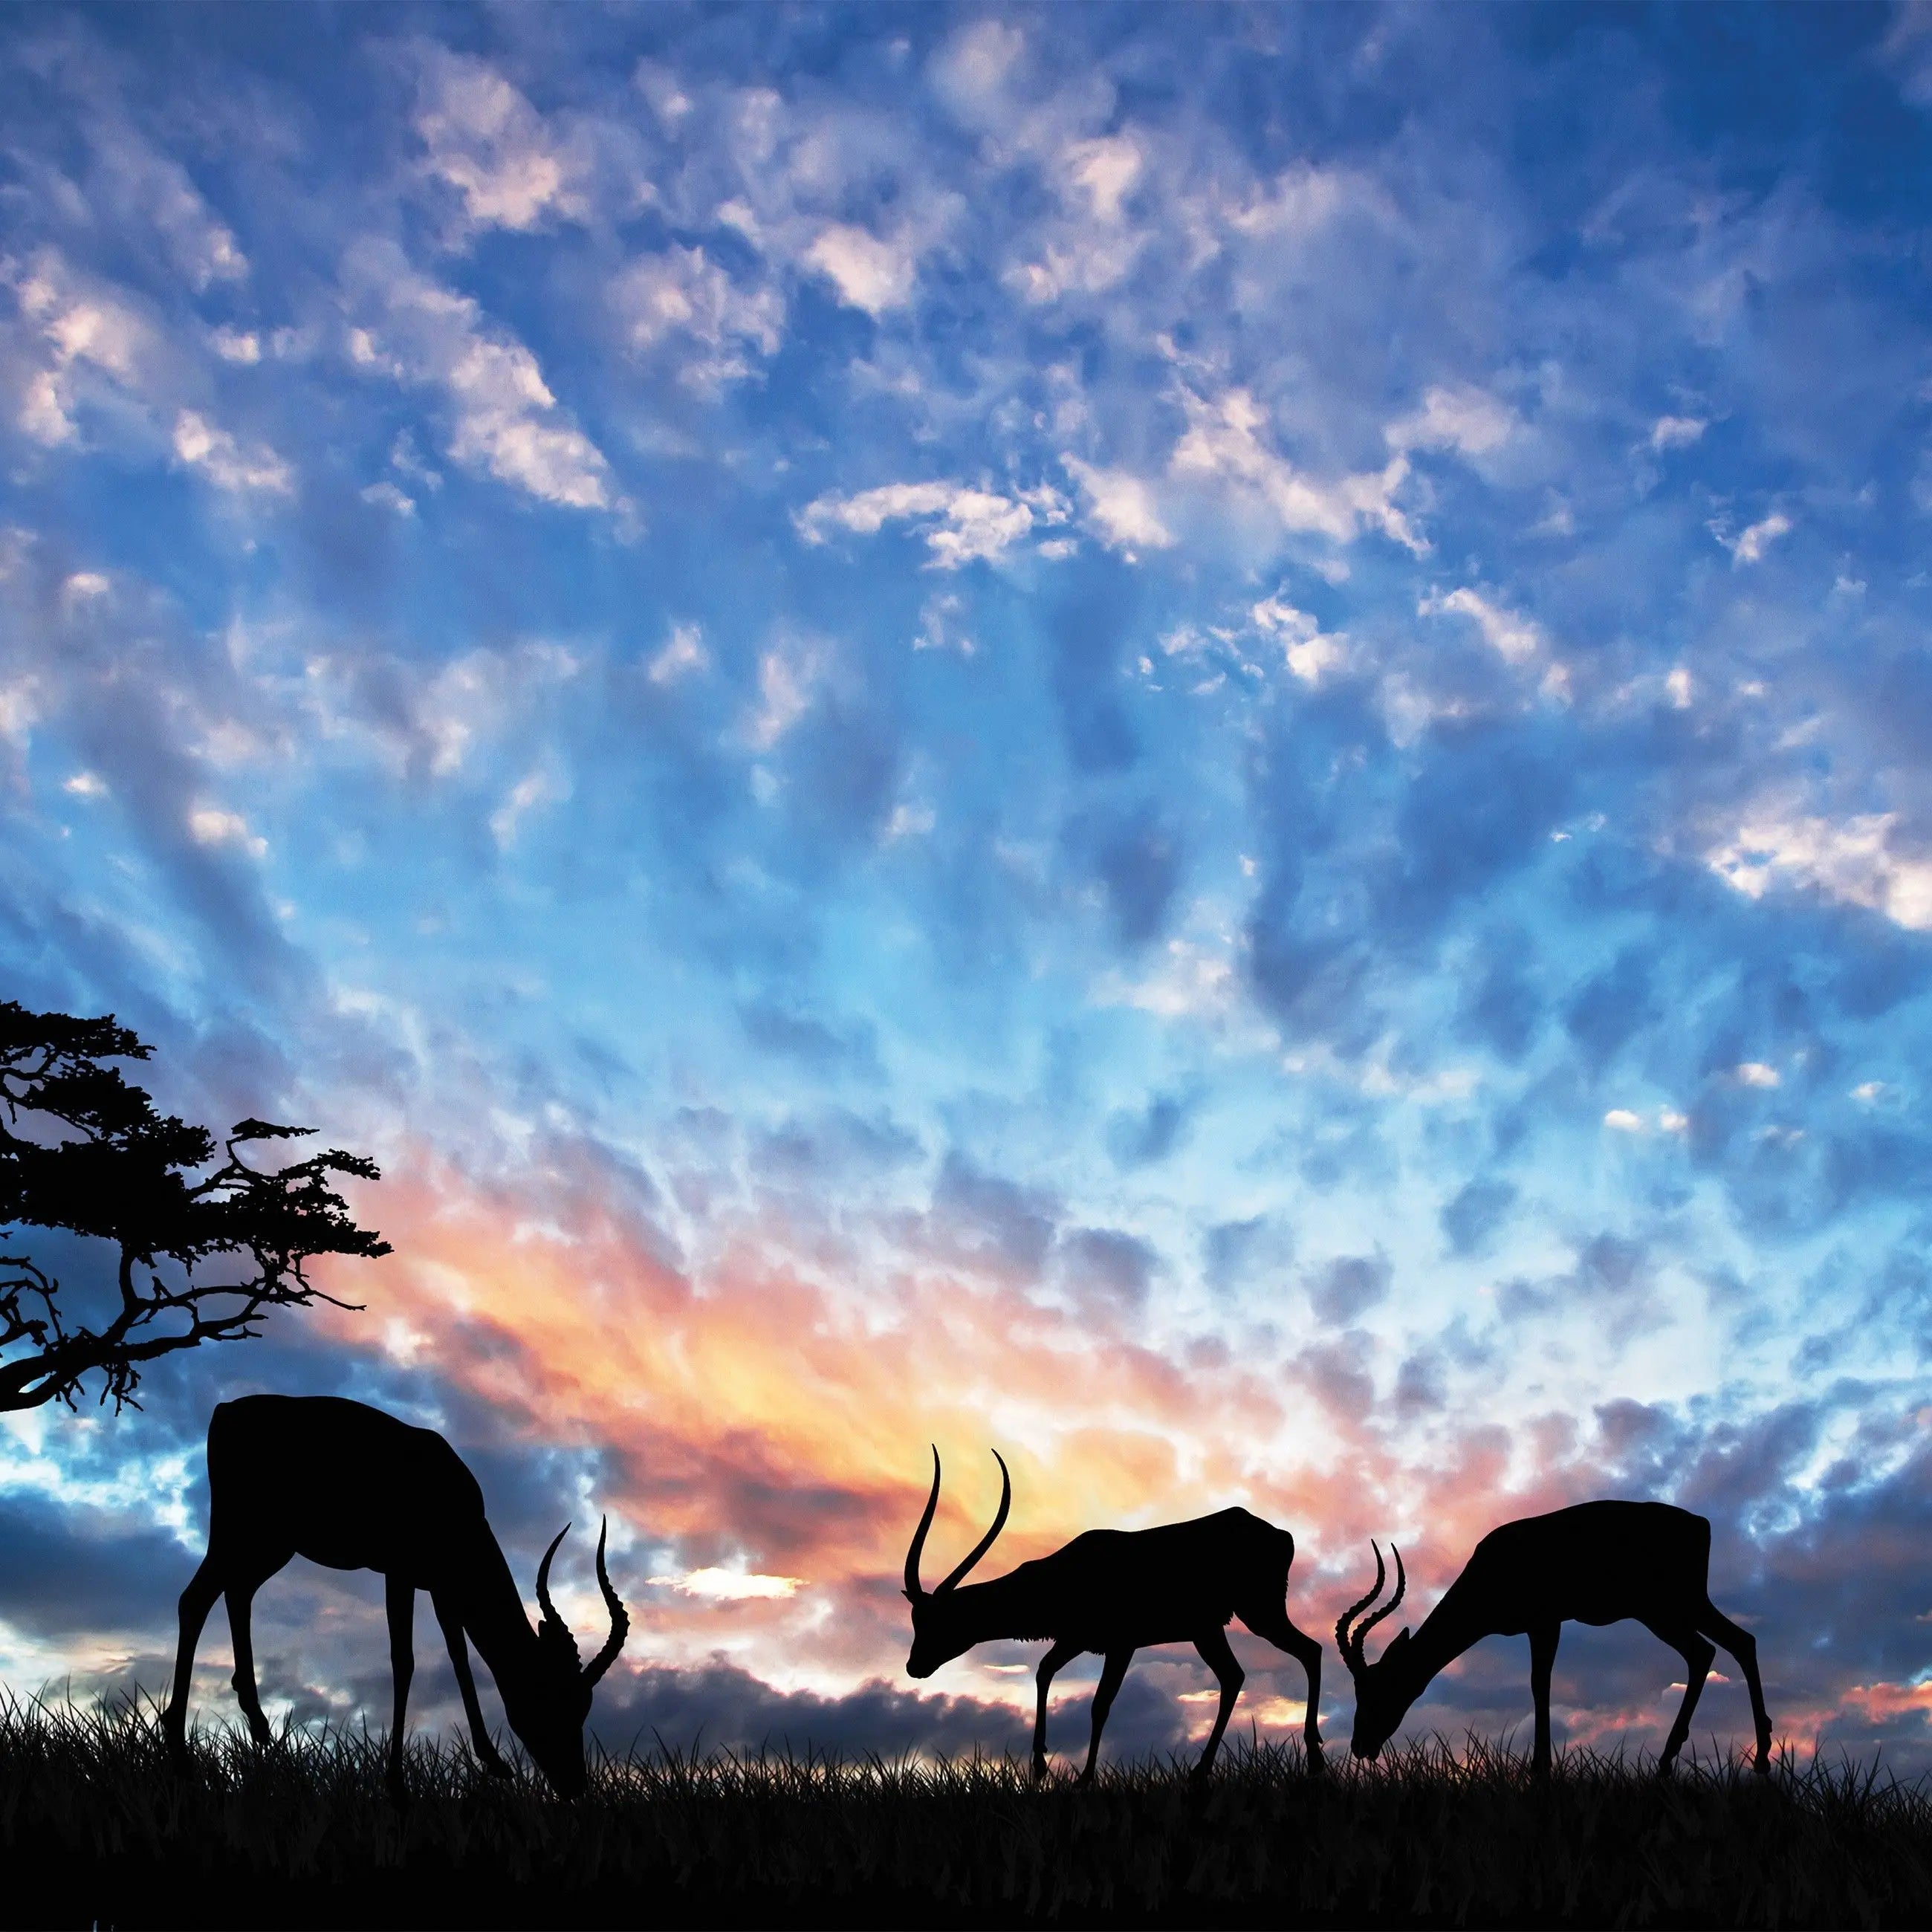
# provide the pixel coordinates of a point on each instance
(1468, 421)
(963, 524)
(1518, 641)
(1750, 544)
(203, 445)
(484, 139)
(869, 274)
(1853, 860)
(1676, 432)
(683, 294)
(1121, 506)
(1222, 443)
(502, 419)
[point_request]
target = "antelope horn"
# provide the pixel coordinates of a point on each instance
(620, 1620)
(1351, 1651)
(549, 1616)
(1388, 1610)
(985, 1543)
(913, 1589)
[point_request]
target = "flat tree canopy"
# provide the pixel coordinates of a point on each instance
(202, 1259)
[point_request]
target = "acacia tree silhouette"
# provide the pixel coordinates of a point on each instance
(83, 1151)
(1114, 1591)
(1594, 1563)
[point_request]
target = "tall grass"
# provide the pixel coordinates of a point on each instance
(97, 1828)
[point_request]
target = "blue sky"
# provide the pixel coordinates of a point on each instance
(1190, 740)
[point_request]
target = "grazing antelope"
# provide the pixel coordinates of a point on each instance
(1597, 1563)
(1112, 1592)
(346, 1486)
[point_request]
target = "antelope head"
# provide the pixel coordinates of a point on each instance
(1384, 1690)
(548, 1709)
(938, 1638)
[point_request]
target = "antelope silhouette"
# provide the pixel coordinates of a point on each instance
(1113, 1591)
(346, 1486)
(1597, 1563)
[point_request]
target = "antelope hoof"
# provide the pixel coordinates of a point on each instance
(1317, 1763)
(1039, 1769)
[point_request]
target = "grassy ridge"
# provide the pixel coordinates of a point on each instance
(95, 1829)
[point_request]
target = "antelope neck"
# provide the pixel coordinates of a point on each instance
(1001, 1606)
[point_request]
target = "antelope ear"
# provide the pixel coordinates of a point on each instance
(1397, 1642)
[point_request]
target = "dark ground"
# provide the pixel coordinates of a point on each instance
(95, 1829)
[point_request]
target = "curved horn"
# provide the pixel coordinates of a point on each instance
(549, 1616)
(1388, 1610)
(620, 1619)
(1344, 1641)
(985, 1543)
(913, 1588)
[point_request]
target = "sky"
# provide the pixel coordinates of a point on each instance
(1191, 741)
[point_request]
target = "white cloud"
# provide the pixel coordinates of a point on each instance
(209, 825)
(540, 786)
(1676, 432)
(971, 72)
(504, 420)
(942, 626)
(1310, 653)
(1750, 544)
(385, 496)
(1469, 421)
(1621, 1120)
(83, 328)
(722, 1586)
(1222, 442)
(1756, 1073)
(963, 523)
(1103, 172)
(869, 273)
(786, 679)
(684, 653)
(234, 345)
(1120, 506)
(1851, 860)
(85, 784)
(1298, 201)
(485, 140)
(683, 292)
(206, 447)
(909, 821)
(1517, 639)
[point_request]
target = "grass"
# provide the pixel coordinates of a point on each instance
(95, 1829)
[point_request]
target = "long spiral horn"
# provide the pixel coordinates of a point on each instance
(985, 1543)
(620, 1619)
(1344, 1642)
(914, 1589)
(1368, 1623)
(549, 1616)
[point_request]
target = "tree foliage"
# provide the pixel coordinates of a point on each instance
(203, 1256)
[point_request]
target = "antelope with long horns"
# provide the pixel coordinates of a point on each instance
(348, 1487)
(1597, 1563)
(1113, 1591)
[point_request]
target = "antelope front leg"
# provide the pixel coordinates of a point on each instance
(1543, 1642)
(196, 1600)
(240, 1609)
(481, 1742)
(1219, 1657)
(1697, 1654)
(1055, 1660)
(399, 1599)
(1112, 1672)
